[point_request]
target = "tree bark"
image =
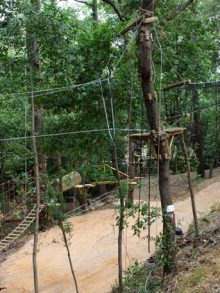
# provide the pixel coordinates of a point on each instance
(198, 134)
(32, 51)
(37, 182)
(95, 12)
(144, 53)
(69, 256)
(196, 225)
(120, 221)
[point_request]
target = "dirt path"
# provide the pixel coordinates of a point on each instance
(93, 248)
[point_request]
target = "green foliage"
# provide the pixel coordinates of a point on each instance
(68, 227)
(72, 50)
(97, 173)
(144, 215)
(134, 275)
(166, 247)
(138, 278)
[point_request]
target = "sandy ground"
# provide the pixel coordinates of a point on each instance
(93, 249)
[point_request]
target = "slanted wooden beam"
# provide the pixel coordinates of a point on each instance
(175, 85)
(177, 117)
(137, 22)
(115, 170)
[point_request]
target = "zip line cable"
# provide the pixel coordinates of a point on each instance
(66, 133)
(98, 130)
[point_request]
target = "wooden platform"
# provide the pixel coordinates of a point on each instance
(169, 133)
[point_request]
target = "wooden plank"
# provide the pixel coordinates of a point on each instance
(132, 183)
(136, 22)
(150, 19)
(175, 85)
(175, 131)
(88, 185)
(147, 136)
(140, 136)
(79, 186)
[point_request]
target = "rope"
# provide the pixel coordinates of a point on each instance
(105, 111)
(66, 133)
(112, 109)
(149, 198)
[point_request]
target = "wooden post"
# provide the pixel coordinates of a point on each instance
(190, 186)
(137, 22)
(80, 195)
(144, 53)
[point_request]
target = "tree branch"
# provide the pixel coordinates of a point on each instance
(117, 11)
(84, 2)
(176, 12)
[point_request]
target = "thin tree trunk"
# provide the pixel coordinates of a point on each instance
(32, 51)
(215, 152)
(198, 134)
(211, 168)
(37, 182)
(60, 223)
(144, 53)
(95, 11)
(69, 256)
(121, 220)
(190, 186)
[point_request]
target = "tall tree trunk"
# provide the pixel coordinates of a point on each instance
(198, 134)
(95, 11)
(32, 51)
(144, 53)
(37, 182)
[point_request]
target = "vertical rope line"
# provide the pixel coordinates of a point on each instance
(140, 162)
(3, 198)
(149, 197)
(105, 111)
(25, 144)
(9, 194)
(112, 108)
(128, 161)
